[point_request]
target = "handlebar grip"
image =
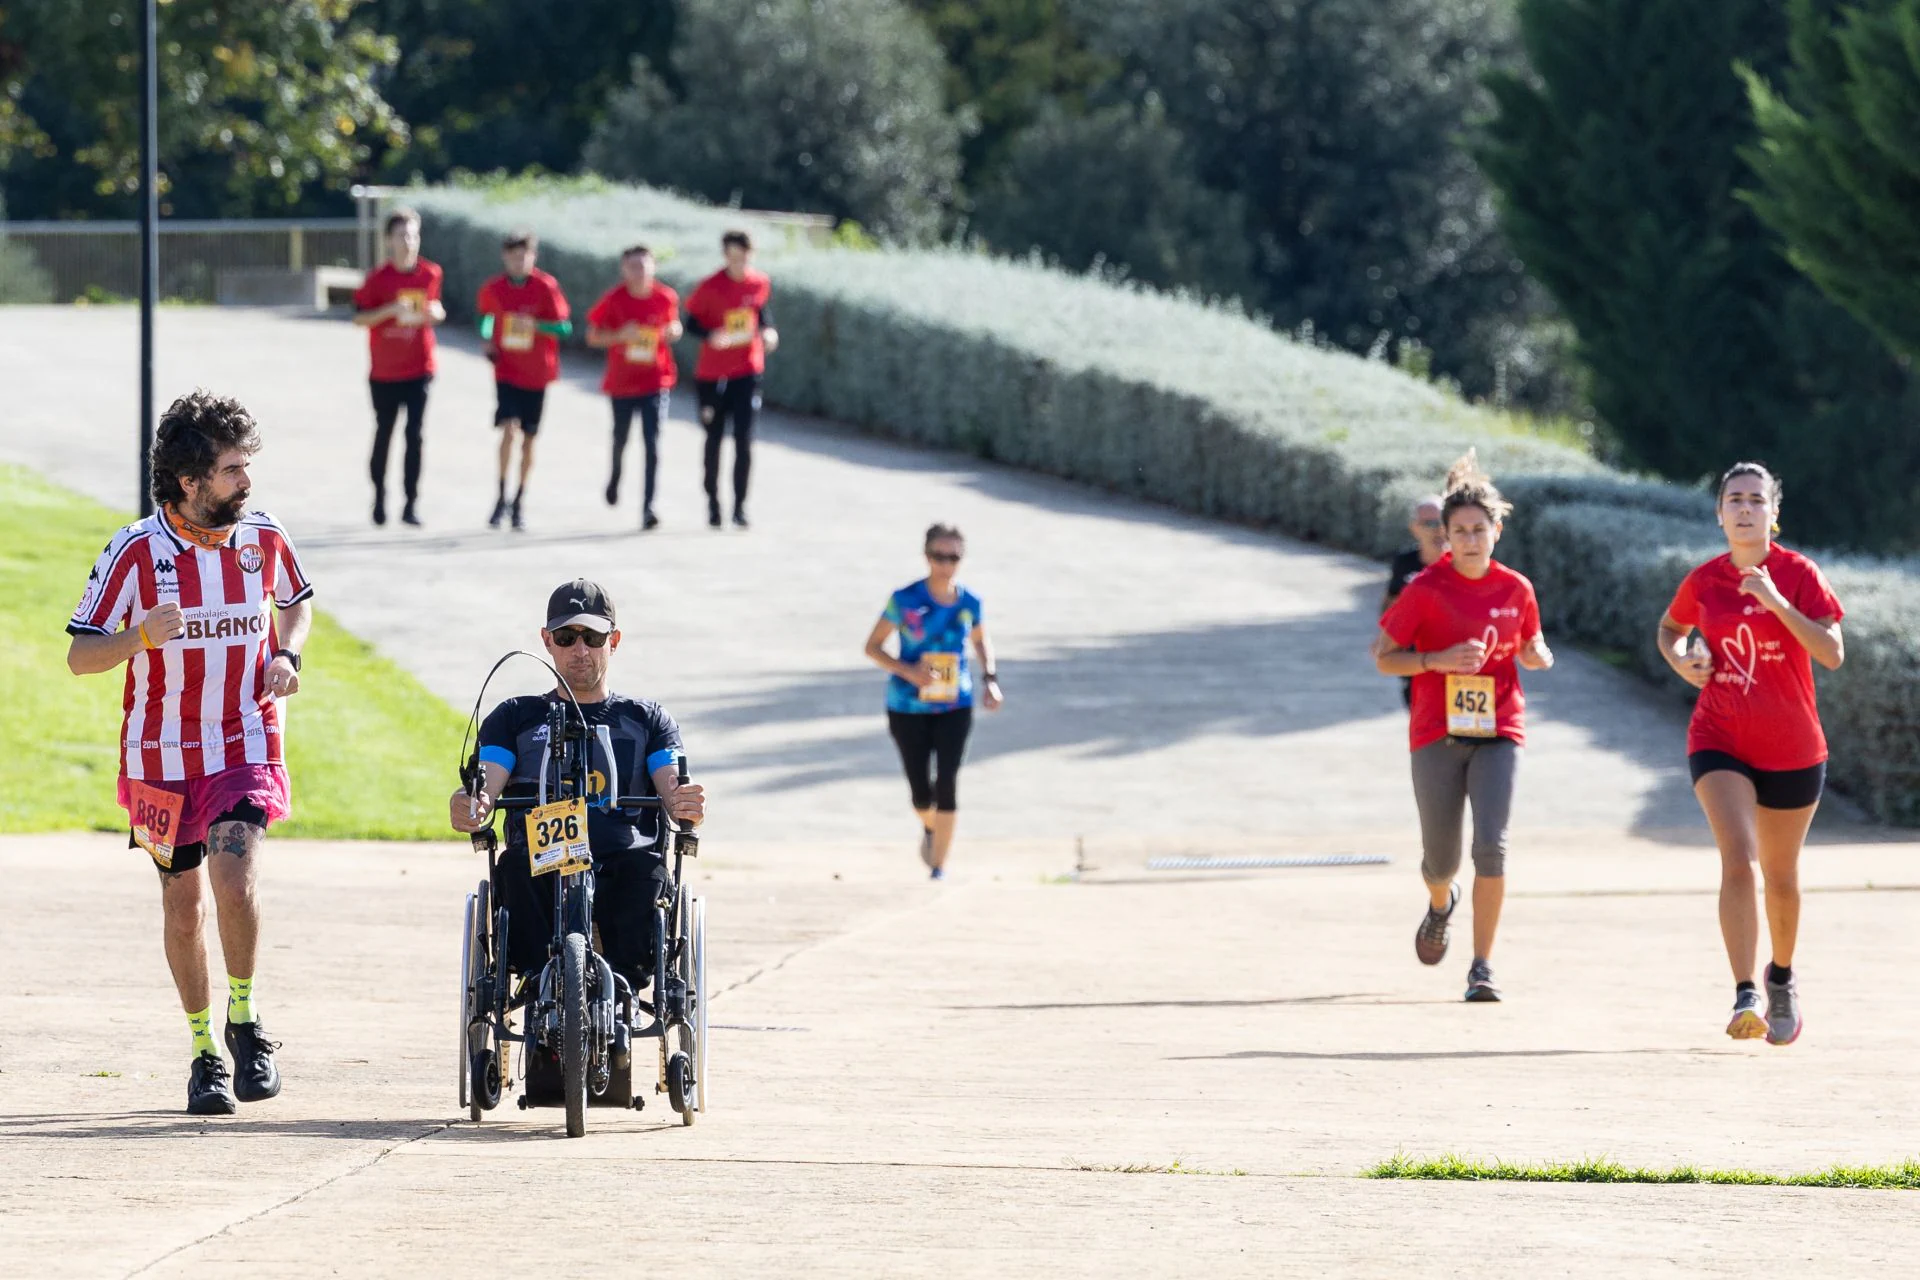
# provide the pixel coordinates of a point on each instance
(682, 776)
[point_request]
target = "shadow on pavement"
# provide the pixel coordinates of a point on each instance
(1110, 700)
(1436, 1056)
(173, 1124)
(1362, 997)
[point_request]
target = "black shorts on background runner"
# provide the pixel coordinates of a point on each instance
(517, 403)
(1772, 788)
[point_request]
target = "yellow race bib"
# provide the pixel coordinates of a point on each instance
(412, 301)
(557, 837)
(1470, 707)
(946, 677)
(739, 324)
(643, 351)
(516, 332)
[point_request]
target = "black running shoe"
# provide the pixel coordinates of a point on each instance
(740, 518)
(208, 1093)
(255, 1077)
(499, 513)
(713, 512)
(410, 516)
(648, 520)
(379, 506)
(519, 522)
(613, 492)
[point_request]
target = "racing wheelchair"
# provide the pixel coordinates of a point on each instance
(580, 1018)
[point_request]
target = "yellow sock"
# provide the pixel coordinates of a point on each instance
(239, 999)
(202, 1024)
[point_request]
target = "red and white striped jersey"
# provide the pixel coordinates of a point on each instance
(194, 706)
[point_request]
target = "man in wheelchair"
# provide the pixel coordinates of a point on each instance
(580, 638)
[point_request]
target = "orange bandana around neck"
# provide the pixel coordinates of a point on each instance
(199, 536)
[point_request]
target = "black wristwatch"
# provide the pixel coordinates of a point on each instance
(290, 656)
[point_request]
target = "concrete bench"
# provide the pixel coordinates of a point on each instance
(315, 287)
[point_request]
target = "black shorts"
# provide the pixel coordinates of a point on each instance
(513, 404)
(1772, 788)
(188, 856)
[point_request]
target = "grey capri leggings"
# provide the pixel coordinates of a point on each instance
(1449, 774)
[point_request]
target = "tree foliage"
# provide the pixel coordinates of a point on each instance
(489, 85)
(1339, 126)
(1838, 160)
(788, 104)
(262, 106)
(1008, 62)
(1117, 187)
(1618, 162)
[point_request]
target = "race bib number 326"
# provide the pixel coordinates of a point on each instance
(557, 837)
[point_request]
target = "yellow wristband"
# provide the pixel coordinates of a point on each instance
(145, 643)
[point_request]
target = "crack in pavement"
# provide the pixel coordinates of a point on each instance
(874, 921)
(292, 1199)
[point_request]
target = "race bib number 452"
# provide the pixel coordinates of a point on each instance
(1470, 707)
(557, 837)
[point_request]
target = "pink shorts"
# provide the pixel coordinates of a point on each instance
(264, 786)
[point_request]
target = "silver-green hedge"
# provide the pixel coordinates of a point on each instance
(1199, 407)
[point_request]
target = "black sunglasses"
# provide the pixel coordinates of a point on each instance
(943, 557)
(565, 638)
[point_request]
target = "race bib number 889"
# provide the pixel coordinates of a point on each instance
(557, 837)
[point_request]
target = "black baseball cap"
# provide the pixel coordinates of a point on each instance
(580, 604)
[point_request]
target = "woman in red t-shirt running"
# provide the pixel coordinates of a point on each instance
(1460, 629)
(1754, 746)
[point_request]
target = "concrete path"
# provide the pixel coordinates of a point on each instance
(921, 1079)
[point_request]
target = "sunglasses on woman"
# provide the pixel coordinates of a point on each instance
(943, 557)
(565, 637)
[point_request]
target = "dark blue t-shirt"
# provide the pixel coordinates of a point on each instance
(643, 737)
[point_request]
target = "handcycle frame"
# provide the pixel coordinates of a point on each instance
(577, 1007)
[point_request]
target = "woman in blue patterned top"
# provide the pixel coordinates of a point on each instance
(931, 697)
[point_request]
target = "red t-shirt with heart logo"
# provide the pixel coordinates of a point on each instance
(1759, 707)
(1442, 607)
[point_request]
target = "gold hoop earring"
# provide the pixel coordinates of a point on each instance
(1776, 528)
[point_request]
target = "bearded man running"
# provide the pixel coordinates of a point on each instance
(207, 607)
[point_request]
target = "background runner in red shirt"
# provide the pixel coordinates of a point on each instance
(523, 316)
(636, 323)
(186, 599)
(1461, 628)
(400, 304)
(1745, 628)
(729, 312)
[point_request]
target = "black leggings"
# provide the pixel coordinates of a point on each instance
(388, 399)
(931, 747)
(729, 400)
(623, 906)
(651, 408)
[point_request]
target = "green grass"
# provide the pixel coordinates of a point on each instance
(1175, 1168)
(370, 751)
(1897, 1177)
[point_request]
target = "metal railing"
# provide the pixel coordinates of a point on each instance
(101, 260)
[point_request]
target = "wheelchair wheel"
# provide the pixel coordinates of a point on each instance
(697, 996)
(473, 962)
(573, 1034)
